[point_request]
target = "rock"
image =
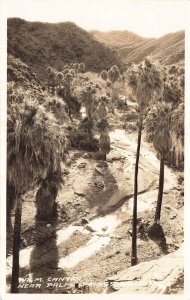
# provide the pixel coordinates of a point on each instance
(178, 188)
(68, 163)
(84, 221)
(99, 165)
(156, 231)
(66, 172)
(99, 184)
(102, 164)
(48, 225)
(24, 243)
(130, 232)
(169, 241)
(153, 277)
(167, 206)
(79, 194)
(176, 246)
(173, 216)
(105, 228)
(89, 228)
(82, 165)
(86, 155)
(99, 171)
(109, 159)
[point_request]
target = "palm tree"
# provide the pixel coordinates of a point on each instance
(114, 75)
(47, 193)
(104, 144)
(88, 99)
(65, 90)
(59, 78)
(177, 134)
(145, 82)
(101, 111)
(104, 75)
(35, 142)
(157, 127)
(51, 73)
(82, 67)
(102, 125)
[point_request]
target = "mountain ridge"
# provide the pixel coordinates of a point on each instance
(41, 44)
(133, 48)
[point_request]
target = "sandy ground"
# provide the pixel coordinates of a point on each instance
(91, 238)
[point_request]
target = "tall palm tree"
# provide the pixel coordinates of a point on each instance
(104, 144)
(47, 193)
(88, 99)
(102, 126)
(104, 75)
(114, 75)
(177, 134)
(52, 74)
(65, 90)
(145, 82)
(34, 142)
(158, 127)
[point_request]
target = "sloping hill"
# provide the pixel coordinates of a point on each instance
(168, 49)
(117, 38)
(42, 44)
(133, 48)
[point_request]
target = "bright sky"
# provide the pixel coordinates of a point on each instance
(148, 18)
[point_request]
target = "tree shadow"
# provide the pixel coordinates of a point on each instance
(103, 187)
(156, 234)
(44, 260)
(10, 204)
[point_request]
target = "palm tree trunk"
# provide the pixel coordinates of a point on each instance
(16, 246)
(68, 97)
(113, 100)
(134, 224)
(104, 157)
(160, 191)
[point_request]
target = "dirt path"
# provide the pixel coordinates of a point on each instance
(91, 239)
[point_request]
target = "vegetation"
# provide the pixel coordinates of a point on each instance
(104, 144)
(114, 76)
(68, 44)
(35, 143)
(58, 108)
(104, 75)
(158, 130)
(145, 80)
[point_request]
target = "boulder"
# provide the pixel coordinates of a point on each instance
(157, 276)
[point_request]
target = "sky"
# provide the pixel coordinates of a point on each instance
(147, 18)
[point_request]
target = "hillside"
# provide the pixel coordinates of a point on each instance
(118, 38)
(168, 49)
(133, 48)
(77, 203)
(42, 44)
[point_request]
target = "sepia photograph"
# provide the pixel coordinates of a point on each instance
(95, 147)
